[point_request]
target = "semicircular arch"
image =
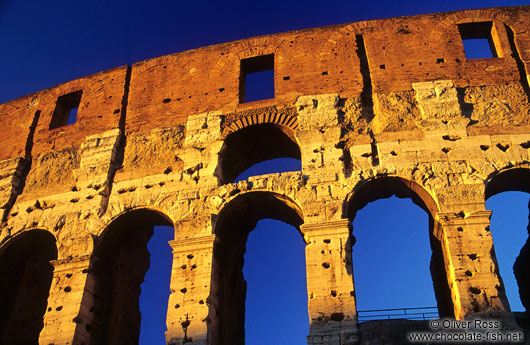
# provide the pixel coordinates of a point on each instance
(512, 248)
(254, 144)
(120, 226)
(509, 179)
(232, 226)
(383, 187)
(254, 206)
(26, 274)
(21, 234)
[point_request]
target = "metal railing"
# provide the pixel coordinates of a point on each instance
(419, 313)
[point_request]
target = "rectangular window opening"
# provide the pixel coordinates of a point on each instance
(480, 40)
(66, 109)
(257, 78)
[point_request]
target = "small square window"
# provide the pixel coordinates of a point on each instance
(480, 40)
(66, 109)
(257, 78)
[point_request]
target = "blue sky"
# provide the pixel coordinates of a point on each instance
(44, 43)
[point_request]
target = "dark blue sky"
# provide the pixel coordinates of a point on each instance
(44, 43)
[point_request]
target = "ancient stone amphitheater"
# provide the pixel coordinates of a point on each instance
(371, 109)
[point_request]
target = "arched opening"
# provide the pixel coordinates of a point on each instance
(119, 264)
(26, 274)
(254, 144)
(397, 262)
(233, 226)
(155, 289)
(508, 199)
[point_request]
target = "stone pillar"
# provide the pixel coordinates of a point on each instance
(188, 307)
(68, 315)
(470, 263)
(331, 297)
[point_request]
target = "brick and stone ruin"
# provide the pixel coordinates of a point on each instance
(372, 109)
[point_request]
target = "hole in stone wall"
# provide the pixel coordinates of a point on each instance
(66, 108)
(474, 290)
(473, 256)
(256, 81)
(480, 40)
(503, 147)
(525, 145)
(337, 316)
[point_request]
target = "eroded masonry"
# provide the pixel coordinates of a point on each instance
(371, 109)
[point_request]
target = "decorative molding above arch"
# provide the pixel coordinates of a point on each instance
(279, 118)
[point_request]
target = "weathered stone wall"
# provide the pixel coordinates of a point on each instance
(372, 109)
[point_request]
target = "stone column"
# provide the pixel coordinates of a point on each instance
(188, 307)
(68, 315)
(470, 263)
(331, 297)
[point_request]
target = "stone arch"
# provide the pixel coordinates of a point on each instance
(510, 179)
(118, 266)
(287, 119)
(515, 179)
(255, 143)
(27, 274)
(386, 186)
(232, 226)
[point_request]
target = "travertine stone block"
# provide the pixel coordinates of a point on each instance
(188, 314)
(329, 273)
(467, 249)
(437, 99)
(69, 303)
(10, 171)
